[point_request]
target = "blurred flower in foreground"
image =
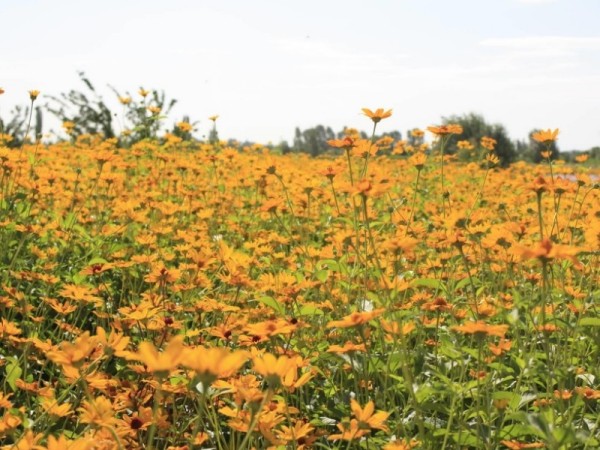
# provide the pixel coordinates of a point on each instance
(545, 135)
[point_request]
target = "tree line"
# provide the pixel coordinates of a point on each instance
(85, 112)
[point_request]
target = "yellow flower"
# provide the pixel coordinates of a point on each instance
(443, 130)
(367, 417)
(68, 126)
(163, 362)
(465, 145)
(547, 251)
(143, 92)
(184, 126)
(488, 143)
(99, 412)
(377, 115)
(418, 160)
(545, 135)
(273, 369)
(125, 100)
(349, 431)
(492, 159)
(213, 363)
(356, 318)
(481, 328)
(404, 444)
(213, 118)
(33, 94)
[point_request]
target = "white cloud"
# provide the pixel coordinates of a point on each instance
(541, 42)
(536, 2)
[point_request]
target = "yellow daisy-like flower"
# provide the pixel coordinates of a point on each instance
(377, 115)
(546, 135)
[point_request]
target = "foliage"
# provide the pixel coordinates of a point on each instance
(475, 127)
(186, 295)
(15, 128)
(86, 111)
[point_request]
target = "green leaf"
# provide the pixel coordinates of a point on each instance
(328, 264)
(429, 283)
(272, 303)
(590, 322)
(467, 282)
(322, 275)
(13, 372)
(309, 310)
(93, 261)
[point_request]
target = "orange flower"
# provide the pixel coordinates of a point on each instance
(488, 143)
(163, 362)
(516, 445)
(404, 444)
(349, 431)
(481, 328)
(367, 417)
(347, 143)
(274, 369)
(213, 363)
(299, 433)
(356, 318)
(503, 346)
(184, 126)
(545, 135)
(443, 130)
(418, 160)
(565, 394)
(33, 94)
(378, 115)
(98, 412)
(348, 347)
(74, 355)
(547, 251)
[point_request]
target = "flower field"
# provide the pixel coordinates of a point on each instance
(190, 295)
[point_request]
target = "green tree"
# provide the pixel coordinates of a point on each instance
(475, 127)
(313, 140)
(86, 110)
(16, 125)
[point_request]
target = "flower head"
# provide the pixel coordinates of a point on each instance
(161, 362)
(33, 94)
(481, 328)
(443, 130)
(377, 115)
(367, 417)
(545, 135)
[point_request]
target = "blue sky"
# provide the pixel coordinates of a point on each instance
(268, 66)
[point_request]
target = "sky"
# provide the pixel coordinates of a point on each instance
(267, 67)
